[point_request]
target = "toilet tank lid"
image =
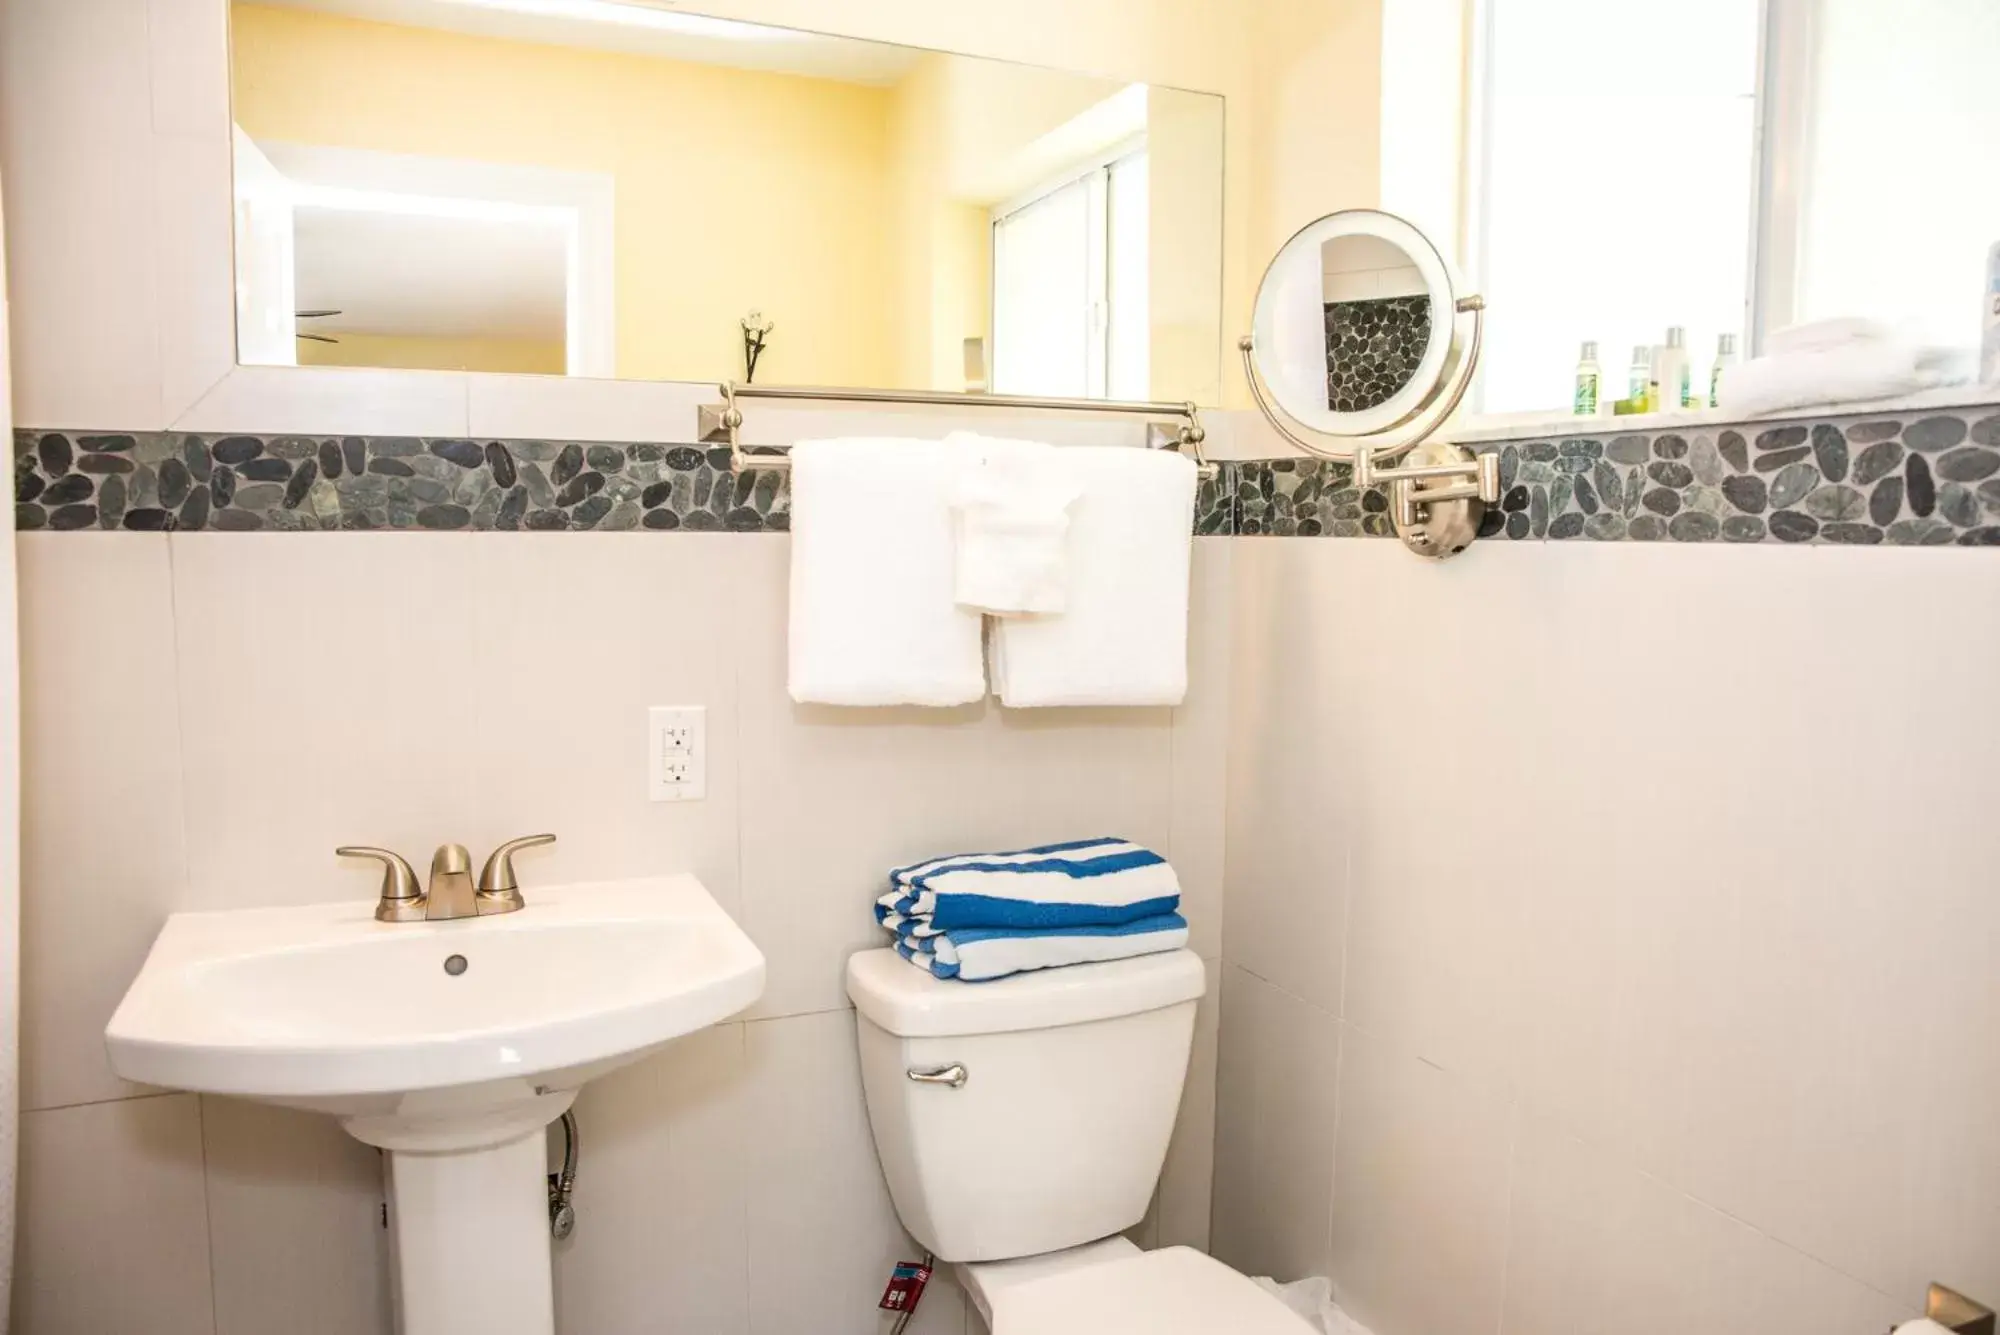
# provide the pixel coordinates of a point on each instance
(910, 1003)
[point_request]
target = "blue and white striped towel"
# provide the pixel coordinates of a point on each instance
(981, 954)
(1086, 883)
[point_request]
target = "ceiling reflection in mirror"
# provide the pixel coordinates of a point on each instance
(588, 188)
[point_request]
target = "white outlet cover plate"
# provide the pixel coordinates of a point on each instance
(677, 753)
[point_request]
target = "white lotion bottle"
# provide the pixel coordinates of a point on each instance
(1672, 372)
(1725, 357)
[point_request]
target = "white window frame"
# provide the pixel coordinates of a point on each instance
(1099, 166)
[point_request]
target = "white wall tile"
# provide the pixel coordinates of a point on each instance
(1058, 774)
(825, 1233)
(1290, 805)
(1434, 904)
(1678, 851)
(575, 636)
(1200, 750)
(75, 133)
(339, 400)
(1419, 1195)
(1596, 1244)
(329, 688)
(102, 857)
(112, 1225)
(1182, 1205)
(662, 1180)
(295, 1223)
(1277, 1083)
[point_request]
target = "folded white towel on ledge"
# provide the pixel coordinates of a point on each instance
(1850, 372)
(981, 954)
(1012, 509)
(1826, 335)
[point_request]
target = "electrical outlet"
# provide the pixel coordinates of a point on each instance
(677, 753)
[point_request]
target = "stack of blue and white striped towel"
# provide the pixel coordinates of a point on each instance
(980, 916)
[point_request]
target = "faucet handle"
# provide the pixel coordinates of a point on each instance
(497, 885)
(400, 899)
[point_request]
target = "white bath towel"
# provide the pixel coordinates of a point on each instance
(1826, 335)
(1122, 639)
(1854, 371)
(873, 621)
(1012, 511)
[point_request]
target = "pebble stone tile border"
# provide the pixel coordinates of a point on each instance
(1924, 481)
(1921, 481)
(172, 482)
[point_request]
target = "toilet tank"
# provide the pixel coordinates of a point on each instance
(1055, 1137)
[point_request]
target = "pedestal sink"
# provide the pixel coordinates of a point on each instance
(450, 1044)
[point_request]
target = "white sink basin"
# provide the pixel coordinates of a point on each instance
(449, 1044)
(322, 1006)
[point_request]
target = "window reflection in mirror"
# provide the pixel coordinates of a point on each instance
(579, 187)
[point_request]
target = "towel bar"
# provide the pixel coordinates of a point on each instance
(723, 421)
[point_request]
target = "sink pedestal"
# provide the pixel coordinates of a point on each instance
(471, 1237)
(469, 1215)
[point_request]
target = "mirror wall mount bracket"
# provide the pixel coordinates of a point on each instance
(718, 423)
(1439, 497)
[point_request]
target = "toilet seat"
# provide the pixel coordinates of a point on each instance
(1174, 1291)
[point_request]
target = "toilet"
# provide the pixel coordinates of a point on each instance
(1022, 1124)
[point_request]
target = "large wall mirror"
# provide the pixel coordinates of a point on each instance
(590, 188)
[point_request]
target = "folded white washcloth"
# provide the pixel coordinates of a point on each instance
(1122, 638)
(873, 620)
(1012, 511)
(1851, 373)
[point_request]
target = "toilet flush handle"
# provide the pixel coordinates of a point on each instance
(954, 1075)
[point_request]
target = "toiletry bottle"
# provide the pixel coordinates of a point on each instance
(1725, 356)
(1589, 382)
(1673, 373)
(1640, 379)
(1989, 357)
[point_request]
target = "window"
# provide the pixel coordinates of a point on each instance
(1070, 278)
(1728, 166)
(1896, 198)
(1619, 152)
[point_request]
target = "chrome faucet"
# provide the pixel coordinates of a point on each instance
(452, 892)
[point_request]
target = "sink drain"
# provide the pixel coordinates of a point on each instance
(454, 965)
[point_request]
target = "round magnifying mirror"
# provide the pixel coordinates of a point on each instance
(1355, 324)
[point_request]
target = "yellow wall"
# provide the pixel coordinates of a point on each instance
(941, 282)
(735, 190)
(1301, 79)
(522, 356)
